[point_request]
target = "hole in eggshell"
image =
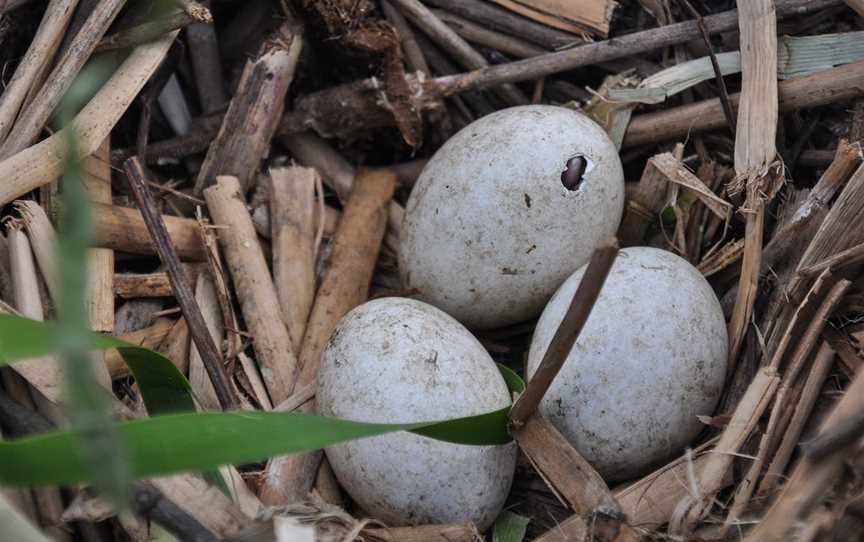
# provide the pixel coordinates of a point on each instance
(574, 171)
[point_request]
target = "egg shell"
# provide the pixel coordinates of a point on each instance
(651, 357)
(399, 360)
(490, 231)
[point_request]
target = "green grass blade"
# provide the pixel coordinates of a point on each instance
(193, 442)
(509, 527)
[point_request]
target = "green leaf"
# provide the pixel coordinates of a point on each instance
(191, 442)
(171, 443)
(163, 387)
(509, 527)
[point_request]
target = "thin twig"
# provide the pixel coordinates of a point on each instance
(721, 83)
(210, 354)
(567, 333)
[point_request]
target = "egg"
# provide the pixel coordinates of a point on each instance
(400, 360)
(650, 359)
(490, 229)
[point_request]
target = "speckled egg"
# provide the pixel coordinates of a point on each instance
(490, 228)
(651, 358)
(399, 360)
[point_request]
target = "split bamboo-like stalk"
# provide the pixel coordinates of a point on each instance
(100, 261)
(123, 229)
(33, 117)
(292, 206)
(254, 113)
(43, 162)
(205, 295)
(254, 287)
(812, 477)
(645, 204)
(41, 51)
(755, 153)
(43, 242)
(345, 285)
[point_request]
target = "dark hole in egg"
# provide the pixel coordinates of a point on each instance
(574, 171)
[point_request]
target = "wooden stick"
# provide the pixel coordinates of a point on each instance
(455, 46)
(100, 261)
(481, 35)
(254, 287)
(345, 285)
(254, 113)
(292, 205)
(152, 29)
(135, 285)
(261, 220)
(39, 53)
(210, 354)
(826, 86)
(602, 51)
(567, 333)
(33, 117)
(42, 163)
(206, 65)
(123, 229)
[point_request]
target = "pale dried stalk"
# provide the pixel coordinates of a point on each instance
(592, 15)
(812, 388)
(345, 285)
(45, 375)
(857, 5)
(292, 209)
(675, 172)
(776, 426)
(811, 479)
(43, 242)
(254, 113)
(710, 478)
(41, 51)
(261, 219)
(254, 286)
(123, 229)
(564, 470)
(755, 152)
(205, 295)
(34, 116)
(311, 150)
(100, 261)
(135, 285)
(204, 502)
(43, 162)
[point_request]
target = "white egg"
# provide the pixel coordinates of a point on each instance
(399, 360)
(490, 231)
(651, 358)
